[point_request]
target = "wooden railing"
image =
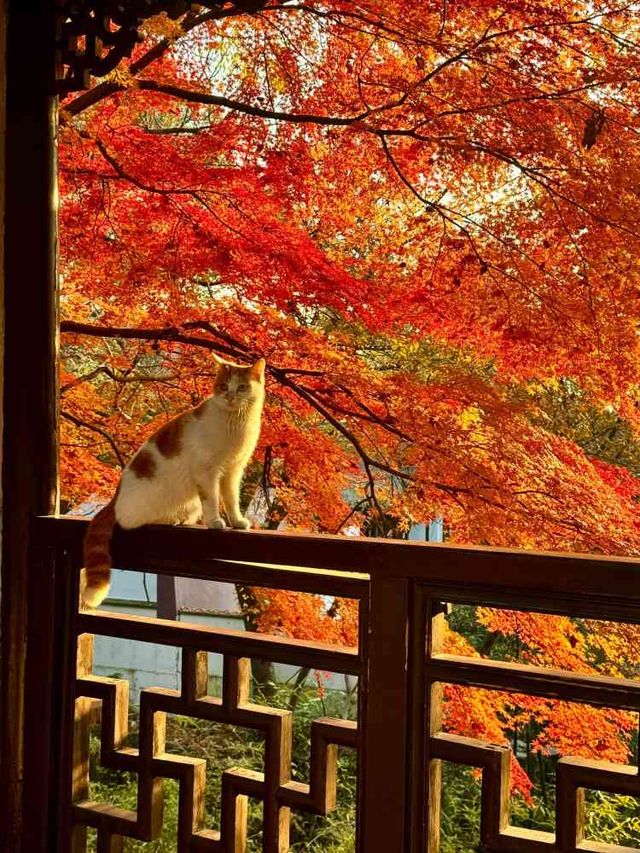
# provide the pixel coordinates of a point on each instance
(401, 669)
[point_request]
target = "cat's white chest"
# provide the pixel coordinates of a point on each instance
(226, 441)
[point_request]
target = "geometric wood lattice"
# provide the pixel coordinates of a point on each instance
(573, 775)
(275, 788)
(495, 762)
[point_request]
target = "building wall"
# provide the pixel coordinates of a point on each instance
(153, 665)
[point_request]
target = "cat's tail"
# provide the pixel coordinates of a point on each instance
(94, 583)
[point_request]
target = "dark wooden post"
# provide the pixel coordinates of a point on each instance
(166, 591)
(417, 794)
(29, 477)
(383, 819)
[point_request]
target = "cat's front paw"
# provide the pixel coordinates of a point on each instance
(216, 524)
(241, 523)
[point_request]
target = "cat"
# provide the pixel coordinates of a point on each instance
(179, 474)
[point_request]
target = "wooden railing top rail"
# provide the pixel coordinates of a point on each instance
(596, 586)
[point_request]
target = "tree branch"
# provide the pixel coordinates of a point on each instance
(100, 431)
(236, 350)
(248, 109)
(115, 377)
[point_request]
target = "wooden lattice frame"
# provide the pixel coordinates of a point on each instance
(573, 775)
(401, 668)
(150, 761)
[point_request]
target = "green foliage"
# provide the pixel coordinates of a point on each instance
(613, 818)
(565, 409)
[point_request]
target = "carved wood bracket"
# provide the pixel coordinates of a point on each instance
(93, 36)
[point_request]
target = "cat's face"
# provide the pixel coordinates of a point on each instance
(235, 385)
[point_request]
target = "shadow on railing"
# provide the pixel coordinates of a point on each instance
(401, 667)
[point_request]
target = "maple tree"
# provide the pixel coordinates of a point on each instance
(425, 216)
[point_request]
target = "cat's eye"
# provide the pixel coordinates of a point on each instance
(242, 386)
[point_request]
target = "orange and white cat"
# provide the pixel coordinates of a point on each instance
(181, 472)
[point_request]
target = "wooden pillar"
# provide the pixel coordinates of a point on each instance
(29, 477)
(3, 91)
(384, 694)
(166, 591)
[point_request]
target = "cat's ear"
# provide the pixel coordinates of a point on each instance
(221, 365)
(257, 370)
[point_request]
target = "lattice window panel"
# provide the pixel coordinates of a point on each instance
(274, 787)
(573, 775)
(401, 668)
